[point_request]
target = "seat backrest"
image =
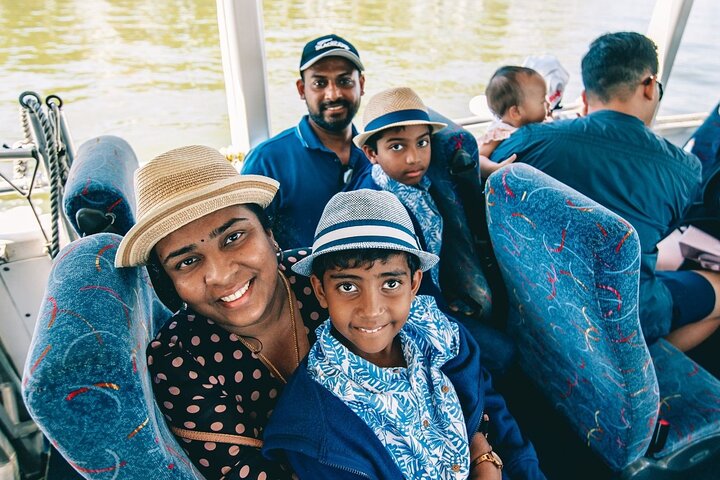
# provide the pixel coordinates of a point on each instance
(100, 184)
(572, 272)
(454, 173)
(706, 144)
(86, 382)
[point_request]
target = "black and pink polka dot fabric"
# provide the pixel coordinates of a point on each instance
(206, 380)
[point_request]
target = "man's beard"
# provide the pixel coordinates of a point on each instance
(336, 125)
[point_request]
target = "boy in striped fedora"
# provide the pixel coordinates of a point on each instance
(391, 388)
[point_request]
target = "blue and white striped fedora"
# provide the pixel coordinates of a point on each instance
(394, 107)
(365, 219)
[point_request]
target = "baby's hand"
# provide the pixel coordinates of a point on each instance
(488, 167)
(507, 161)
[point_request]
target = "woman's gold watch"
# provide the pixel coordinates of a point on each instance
(491, 457)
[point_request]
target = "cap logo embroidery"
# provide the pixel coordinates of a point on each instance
(329, 42)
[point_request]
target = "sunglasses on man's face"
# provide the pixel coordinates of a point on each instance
(659, 84)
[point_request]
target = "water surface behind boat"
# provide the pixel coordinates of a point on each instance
(151, 72)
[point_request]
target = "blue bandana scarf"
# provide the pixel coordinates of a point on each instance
(417, 199)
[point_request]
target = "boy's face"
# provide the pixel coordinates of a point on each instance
(534, 107)
(403, 153)
(369, 306)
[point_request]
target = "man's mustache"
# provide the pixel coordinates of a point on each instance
(341, 103)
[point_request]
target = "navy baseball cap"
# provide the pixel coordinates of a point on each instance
(329, 46)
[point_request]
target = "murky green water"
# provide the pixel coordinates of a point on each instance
(151, 71)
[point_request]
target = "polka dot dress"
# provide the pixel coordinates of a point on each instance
(206, 380)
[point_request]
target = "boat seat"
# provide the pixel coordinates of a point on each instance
(450, 146)
(705, 143)
(572, 271)
(86, 382)
(99, 189)
(456, 189)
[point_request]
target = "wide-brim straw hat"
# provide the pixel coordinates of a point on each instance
(181, 186)
(394, 107)
(365, 219)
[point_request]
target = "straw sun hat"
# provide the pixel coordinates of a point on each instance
(181, 186)
(394, 107)
(365, 219)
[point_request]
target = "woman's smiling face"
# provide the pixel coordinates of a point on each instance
(223, 265)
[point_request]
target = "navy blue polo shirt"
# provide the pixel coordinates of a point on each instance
(617, 161)
(309, 174)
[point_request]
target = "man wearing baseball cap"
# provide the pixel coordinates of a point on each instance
(315, 159)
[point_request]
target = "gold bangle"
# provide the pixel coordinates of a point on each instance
(488, 456)
(477, 460)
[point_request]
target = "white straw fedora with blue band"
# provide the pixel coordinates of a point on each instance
(183, 185)
(394, 107)
(365, 219)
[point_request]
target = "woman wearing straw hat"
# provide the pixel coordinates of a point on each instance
(220, 362)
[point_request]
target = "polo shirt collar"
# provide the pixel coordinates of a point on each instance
(617, 116)
(309, 138)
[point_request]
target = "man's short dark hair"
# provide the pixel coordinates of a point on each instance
(359, 257)
(504, 89)
(616, 63)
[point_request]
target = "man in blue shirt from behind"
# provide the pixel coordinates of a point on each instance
(315, 159)
(612, 156)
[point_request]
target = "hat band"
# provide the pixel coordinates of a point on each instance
(396, 117)
(364, 234)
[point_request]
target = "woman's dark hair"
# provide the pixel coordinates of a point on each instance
(504, 89)
(359, 257)
(161, 282)
(616, 63)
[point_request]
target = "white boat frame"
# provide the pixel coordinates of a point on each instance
(243, 56)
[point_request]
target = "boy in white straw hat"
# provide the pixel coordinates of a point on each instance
(397, 142)
(391, 388)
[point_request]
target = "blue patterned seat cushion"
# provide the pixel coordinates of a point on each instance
(571, 267)
(101, 178)
(572, 271)
(461, 274)
(86, 382)
(689, 398)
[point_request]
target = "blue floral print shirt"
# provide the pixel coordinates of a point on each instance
(414, 411)
(417, 199)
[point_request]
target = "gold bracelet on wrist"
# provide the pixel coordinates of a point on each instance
(488, 456)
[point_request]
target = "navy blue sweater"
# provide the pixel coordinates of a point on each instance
(322, 438)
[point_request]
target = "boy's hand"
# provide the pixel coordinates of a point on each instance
(483, 470)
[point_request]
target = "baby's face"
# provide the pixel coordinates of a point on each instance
(534, 107)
